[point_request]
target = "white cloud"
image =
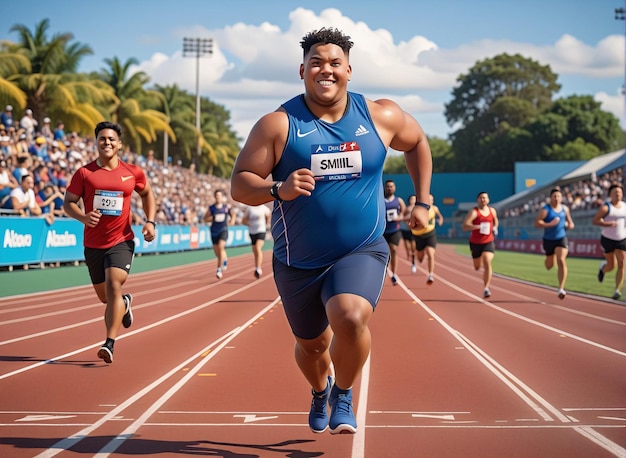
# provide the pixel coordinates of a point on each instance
(254, 68)
(613, 104)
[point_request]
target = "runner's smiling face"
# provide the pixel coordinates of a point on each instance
(108, 143)
(326, 71)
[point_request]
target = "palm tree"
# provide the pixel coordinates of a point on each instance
(130, 111)
(49, 82)
(179, 106)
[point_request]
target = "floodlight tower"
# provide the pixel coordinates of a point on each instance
(197, 47)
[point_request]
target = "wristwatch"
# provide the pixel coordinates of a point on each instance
(422, 204)
(274, 190)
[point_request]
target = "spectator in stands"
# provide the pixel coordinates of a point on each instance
(47, 198)
(29, 124)
(46, 130)
(220, 215)
(482, 221)
(611, 217)
(6, 118)
(22, 168)
(23, 199)
(59, 132)
(22, 146)
(554, 218)
(7, 182)
(4, 142)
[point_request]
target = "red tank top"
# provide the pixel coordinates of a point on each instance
(485, 233)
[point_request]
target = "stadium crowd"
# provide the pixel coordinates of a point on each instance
(52, 156)
(183, 196)
(581, 195)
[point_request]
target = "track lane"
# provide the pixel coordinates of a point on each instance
(424, 391)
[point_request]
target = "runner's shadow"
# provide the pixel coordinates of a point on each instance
(30, 359)
(137, 446)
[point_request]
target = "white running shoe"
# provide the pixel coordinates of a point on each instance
(218, 274)
(562, 293)
(413, 268)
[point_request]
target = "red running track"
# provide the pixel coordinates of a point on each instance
(207, 369)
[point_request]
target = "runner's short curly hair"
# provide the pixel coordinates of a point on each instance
(326, 36)
(108, 125)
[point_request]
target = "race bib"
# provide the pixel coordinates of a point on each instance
(485, 228)
(334, 162)
(109, 202)
(392, 214)
(219, 217)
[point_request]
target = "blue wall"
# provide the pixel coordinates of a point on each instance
(451, 189)
(529, 174)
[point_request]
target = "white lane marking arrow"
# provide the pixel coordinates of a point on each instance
(44, 417)
(439, 417)
(251, 418)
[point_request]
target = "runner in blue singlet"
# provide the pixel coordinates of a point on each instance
(325, 150)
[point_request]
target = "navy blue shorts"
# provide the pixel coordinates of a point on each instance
(98, 260)
(305, 292)
(217, 238)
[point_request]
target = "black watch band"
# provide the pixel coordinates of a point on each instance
(151, 222)
(274, 190)
(422, 204)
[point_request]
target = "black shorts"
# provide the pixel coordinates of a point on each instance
(550, 246)
(424, 240)
(99, 260)
(256, 237)
(216, 238)
(477, 249)
(407, 234)
(610, 245)
(305, 292)
(393, 238)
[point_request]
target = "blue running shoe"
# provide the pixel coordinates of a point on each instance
(225, 264)
(318, 418)
(342, 419)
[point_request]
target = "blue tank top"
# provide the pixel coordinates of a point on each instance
(392, 210)
(346, 210)
(555, 232)
(221, 216)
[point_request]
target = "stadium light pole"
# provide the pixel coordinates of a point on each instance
(197, 47)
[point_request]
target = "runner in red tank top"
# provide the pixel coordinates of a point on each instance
(482, 220)
(106, 186)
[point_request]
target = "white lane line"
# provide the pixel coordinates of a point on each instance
(500, 372)
(531, 321)
(135, 331)
(358, 442)
(70, 441)
(116, 442)
(480, 356)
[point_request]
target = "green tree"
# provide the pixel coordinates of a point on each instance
(137, 121)
(497, 94)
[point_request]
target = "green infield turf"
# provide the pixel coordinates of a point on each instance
(581, 272)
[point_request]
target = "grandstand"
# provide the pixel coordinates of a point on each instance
(584, 190)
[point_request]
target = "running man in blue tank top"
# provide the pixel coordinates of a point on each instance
(325, 151)
(554, 218)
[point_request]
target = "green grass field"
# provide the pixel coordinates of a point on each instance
(581, 276)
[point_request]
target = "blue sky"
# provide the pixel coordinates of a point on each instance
(411, 51)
